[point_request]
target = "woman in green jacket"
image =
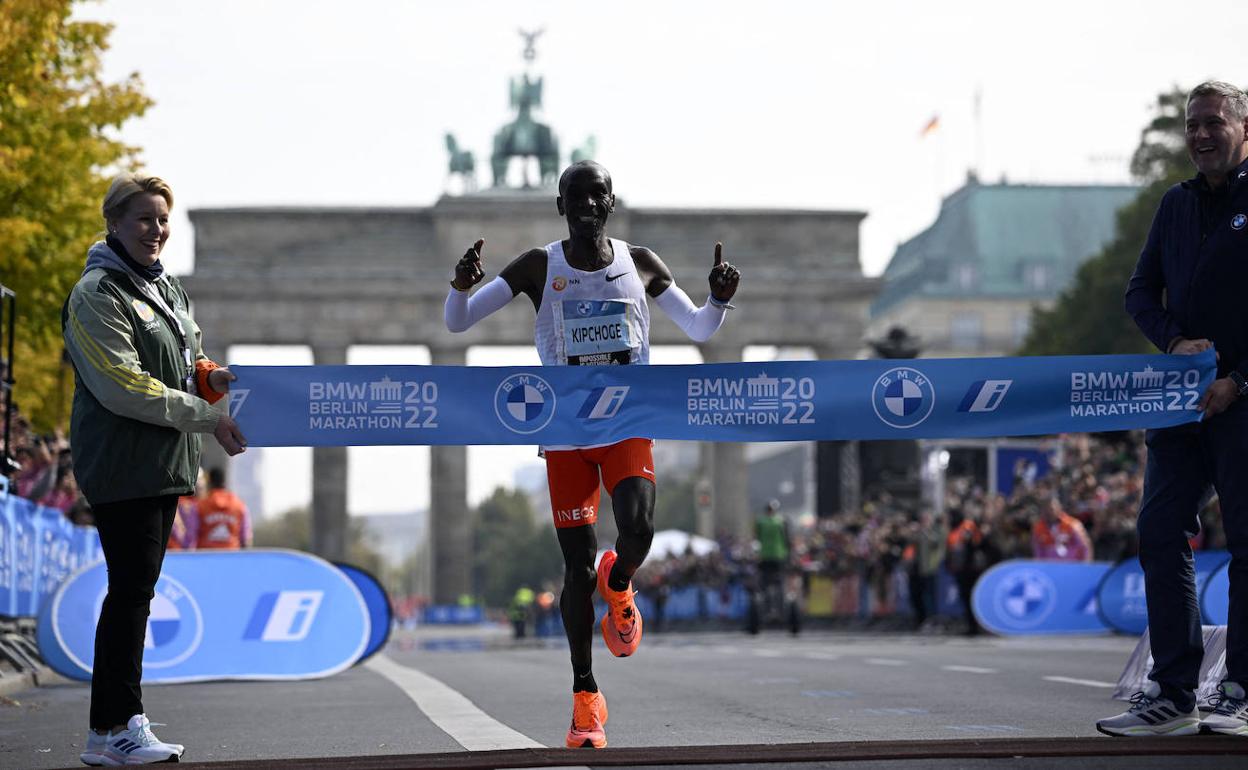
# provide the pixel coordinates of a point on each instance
(143, 398)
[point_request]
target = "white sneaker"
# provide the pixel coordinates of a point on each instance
(1230, 711)
(94, 753)
(137, 745)
(1151, 714)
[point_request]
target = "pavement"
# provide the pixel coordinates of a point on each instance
(456, 698)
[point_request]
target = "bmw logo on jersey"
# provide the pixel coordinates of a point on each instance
(903, 397)
(524, 403)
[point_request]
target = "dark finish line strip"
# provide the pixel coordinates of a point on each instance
(760, 753)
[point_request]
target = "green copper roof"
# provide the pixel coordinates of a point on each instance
(992, 240)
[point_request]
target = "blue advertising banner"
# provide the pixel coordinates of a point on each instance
(1120, 596)
(25, 559)
(1215, 598)
(1027, 461)
(254, 614)
(453, 615)
(8, 556)
(39, 548)
(380, 616)
(767, 401)
(1027, 596)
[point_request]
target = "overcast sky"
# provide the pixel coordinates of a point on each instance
(725, 103)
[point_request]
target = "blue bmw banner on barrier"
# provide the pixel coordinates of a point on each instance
(1120, 596)
(254, 614)
(766, 401)
(1027, 596)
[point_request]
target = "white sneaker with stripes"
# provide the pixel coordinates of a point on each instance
(93, 754)
(1151, 714)
(136, 745)
(1230, 711)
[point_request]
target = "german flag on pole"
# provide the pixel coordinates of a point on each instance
(931, 126)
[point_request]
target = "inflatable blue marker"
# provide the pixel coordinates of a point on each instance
(252, 614)
(1028, 596)
(378, 602)
(1120, 596)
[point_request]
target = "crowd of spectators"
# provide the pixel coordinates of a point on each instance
(1083, 509)
(41, 469)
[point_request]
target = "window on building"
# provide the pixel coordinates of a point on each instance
(1022, 325)
(1037, 276)
(964, 276)
(966, 331)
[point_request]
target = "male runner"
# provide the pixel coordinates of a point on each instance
(607, 279)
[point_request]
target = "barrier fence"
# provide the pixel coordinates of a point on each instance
(39, 549)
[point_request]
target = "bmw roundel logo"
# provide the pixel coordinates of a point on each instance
(524, 403)
(175, 625)
(1025, 598)
(1238, 221)
(903, 397)
(583, 308)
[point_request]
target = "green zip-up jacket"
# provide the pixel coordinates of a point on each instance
(136, 421)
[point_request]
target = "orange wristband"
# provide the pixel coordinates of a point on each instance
(202, 368)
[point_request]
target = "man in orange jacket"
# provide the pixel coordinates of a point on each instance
(222, 521)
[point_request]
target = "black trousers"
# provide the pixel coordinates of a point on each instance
(1182, 463)
(134, 534)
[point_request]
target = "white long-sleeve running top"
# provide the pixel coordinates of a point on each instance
(590, 317)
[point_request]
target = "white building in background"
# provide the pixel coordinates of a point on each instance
(966, 286)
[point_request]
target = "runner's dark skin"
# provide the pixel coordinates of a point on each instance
(586, 202)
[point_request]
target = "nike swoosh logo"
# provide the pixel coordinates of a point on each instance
(621, 275)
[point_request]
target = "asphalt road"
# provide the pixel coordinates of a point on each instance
(727, 698)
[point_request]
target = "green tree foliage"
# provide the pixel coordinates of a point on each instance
(512, 548)
(674, 505)
(1088, 317)
(58, 148)
(293, 529)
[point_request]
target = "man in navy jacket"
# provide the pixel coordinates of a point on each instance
(1188, 295)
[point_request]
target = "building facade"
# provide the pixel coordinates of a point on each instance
(967, 285)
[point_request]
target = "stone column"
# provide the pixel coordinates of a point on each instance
(450, 530)
(725, 466)
(329, 479)
(848, 465)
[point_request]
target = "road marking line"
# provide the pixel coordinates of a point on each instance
(454, 714)
(970, 669)
(821, 655)
(1084, 682)
(767, 653)
(886, 662)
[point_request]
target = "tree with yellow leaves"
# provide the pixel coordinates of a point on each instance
(59, 147)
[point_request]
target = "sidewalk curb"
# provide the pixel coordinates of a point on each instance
(15, 681)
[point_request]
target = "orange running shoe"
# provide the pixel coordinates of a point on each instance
(621, 626)
(589, 714)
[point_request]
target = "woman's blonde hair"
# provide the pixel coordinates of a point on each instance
(126, 187)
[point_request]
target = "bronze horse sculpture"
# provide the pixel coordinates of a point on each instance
(524, 137)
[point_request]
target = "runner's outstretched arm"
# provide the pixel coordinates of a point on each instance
(462, 311)
(700, 323)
